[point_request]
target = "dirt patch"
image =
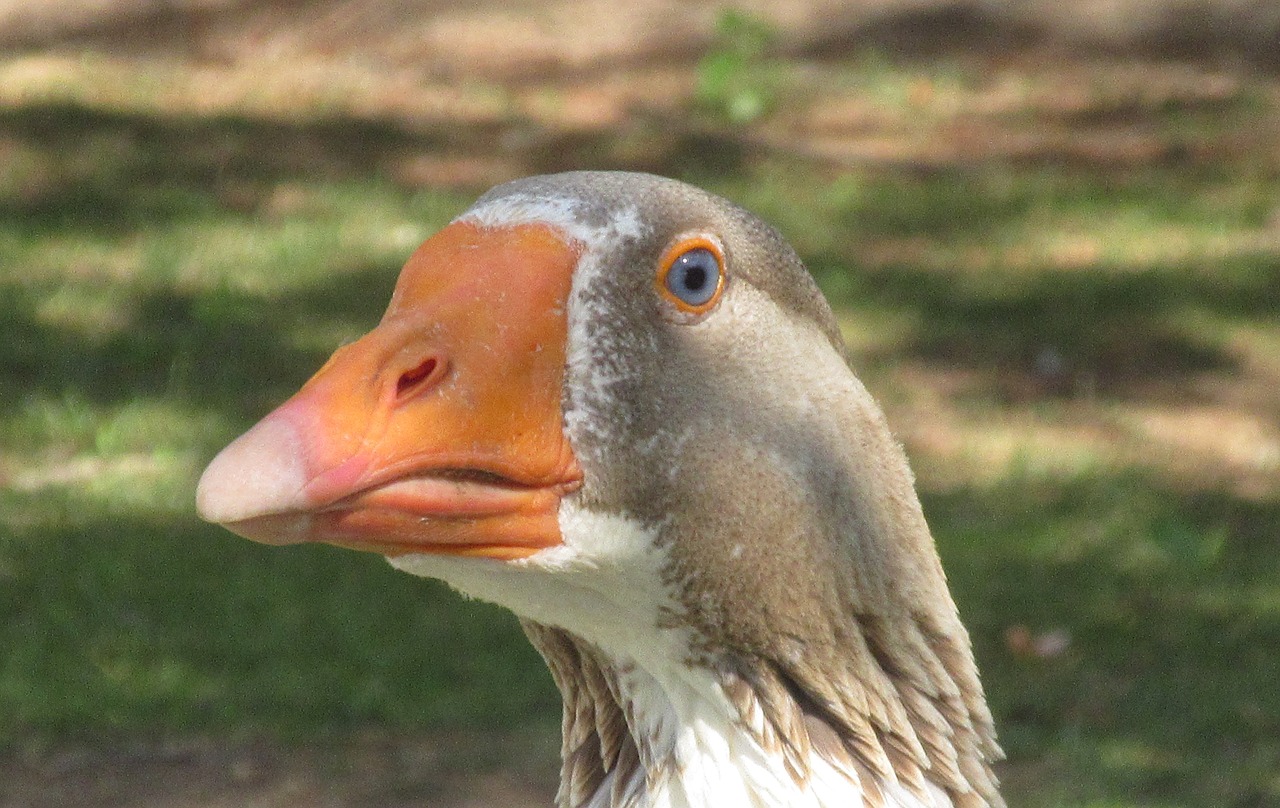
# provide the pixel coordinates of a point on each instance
(463, 770)
(536, 37)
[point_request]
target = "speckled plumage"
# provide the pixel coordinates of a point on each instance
(747, 559)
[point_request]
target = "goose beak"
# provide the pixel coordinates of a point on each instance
(440, 431)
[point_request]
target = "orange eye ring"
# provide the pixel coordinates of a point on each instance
(684, 278)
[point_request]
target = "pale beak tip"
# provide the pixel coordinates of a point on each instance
(258, 474)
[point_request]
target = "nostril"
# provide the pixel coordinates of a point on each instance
(413, 378)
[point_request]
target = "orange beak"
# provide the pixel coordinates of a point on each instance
(440, 431)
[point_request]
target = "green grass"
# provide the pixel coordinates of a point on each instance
(1173, 607)
(165, 280)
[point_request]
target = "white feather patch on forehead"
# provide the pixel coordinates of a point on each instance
(569, 214)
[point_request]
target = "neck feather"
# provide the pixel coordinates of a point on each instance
(744, 734)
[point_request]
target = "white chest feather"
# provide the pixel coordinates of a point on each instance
(698, 755)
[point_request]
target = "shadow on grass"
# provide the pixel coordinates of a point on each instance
(112, 171)
(115, 171)
(926, 31)
(224, 350)
(1119, 334)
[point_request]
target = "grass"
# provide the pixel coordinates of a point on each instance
(170, 275)
(1174, 615)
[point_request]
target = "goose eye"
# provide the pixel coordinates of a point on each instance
(693, 276)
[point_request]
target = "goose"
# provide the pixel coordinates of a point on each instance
(620, 407)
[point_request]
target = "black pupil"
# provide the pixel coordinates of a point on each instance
(695, 276)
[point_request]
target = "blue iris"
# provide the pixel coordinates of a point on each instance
(694, 276)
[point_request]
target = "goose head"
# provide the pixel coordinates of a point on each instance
(619, 406)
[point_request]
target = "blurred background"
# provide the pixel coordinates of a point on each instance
(1051, 232)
